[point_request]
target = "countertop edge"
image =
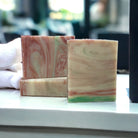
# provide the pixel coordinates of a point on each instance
(69, 119)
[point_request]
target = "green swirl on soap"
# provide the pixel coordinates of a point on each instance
(92, 99)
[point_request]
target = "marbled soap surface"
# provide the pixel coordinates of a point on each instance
(55, 87)
(92, 70)
(44, 56)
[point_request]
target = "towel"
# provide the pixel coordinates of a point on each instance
(10, 64)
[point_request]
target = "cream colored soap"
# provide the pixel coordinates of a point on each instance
(92, 66)
(51, 87)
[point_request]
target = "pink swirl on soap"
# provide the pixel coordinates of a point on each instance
(94, 93)
(36, 52)
(49, 56)
(61, 57)
(61, 64)
(43, 58)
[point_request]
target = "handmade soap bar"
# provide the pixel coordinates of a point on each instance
(44, 56)
(92, 70)
(55, 87)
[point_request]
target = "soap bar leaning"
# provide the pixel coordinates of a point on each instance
(50, 87)
(92, 67)
(44, 56)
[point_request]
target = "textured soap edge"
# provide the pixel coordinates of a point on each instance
(92, 40)
(43, 83)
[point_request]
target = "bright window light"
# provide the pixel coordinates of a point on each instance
(7, 5)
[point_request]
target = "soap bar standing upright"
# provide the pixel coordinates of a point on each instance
(92, 70)
(44, 56)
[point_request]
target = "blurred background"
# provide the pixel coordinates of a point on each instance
(102, 19)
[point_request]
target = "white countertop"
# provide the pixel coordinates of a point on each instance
(57, 112)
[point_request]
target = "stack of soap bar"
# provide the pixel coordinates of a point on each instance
(44, 56)
(44, 87)
(44, 65)
(92, 70)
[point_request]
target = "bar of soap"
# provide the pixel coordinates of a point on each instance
(92, 66)
(50, 87)
(44, 56)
